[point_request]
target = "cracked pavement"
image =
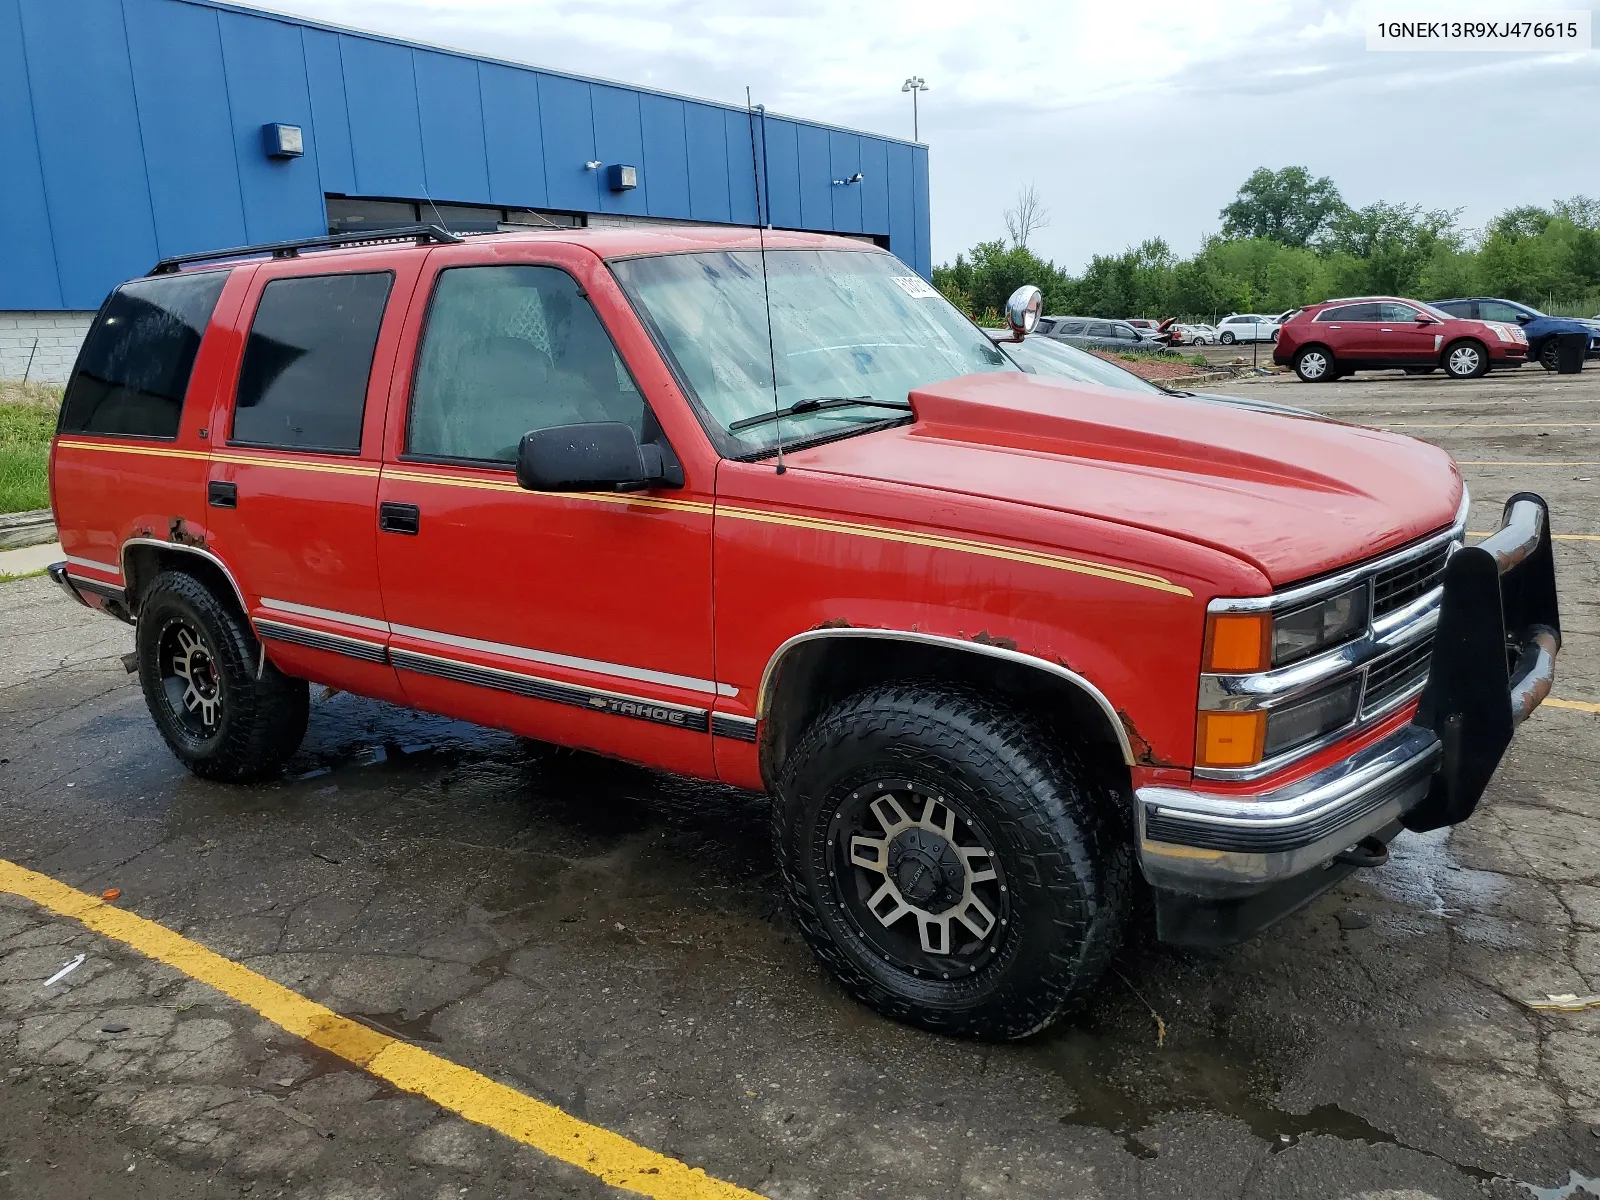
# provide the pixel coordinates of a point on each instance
(609, 940)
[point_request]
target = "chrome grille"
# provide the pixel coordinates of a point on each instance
(1395, 674)
(1398, 586)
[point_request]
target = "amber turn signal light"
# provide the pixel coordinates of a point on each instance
(1238, 642)
(1230, 739)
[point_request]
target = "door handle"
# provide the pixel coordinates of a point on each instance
(399, 518)
(220, 494)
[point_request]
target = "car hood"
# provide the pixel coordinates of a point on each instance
(1266, 406)
(1293, 496)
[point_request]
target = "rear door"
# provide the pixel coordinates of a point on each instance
(582, 618)
(292, 491)
(1353, 331)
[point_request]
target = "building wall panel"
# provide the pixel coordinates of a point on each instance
(266, 69)
(28, 271)
(512, 135)
(450, 114)
(707, 136)
(619, 138)
(743, 163)
(90, 148)
(567, 119)
(902, 204)
(666, 156)
(874, 186)
(385, 133)
(336, 168)
(185, 126)
(816, 170)
(923, 262)
(783, 172)
(844, 157)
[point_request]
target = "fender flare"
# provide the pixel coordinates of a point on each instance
(764, 693)
(238, 592)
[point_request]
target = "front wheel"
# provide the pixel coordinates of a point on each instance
(950, 866)
(1466, 360)
(224, 712)
(1550, 355)
(1419, 370)
(1227, 338)
(1315, 365)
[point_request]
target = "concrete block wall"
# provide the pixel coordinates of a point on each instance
(49, 339)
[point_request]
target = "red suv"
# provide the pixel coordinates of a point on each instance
(1338, 337)
(770, 511)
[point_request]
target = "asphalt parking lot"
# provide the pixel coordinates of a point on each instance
(608, 941)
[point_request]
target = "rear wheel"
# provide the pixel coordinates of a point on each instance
(198, 667)
(1465, 360)
(1419, 370)
(947, 864)
(1315, 364)
(1550, 355)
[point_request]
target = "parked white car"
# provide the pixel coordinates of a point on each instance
(1197, 335)
(1247, 327)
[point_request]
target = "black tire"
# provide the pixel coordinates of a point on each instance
(1062, 867)
(1420, 370)
(218, 719)
(1226, 337)
(1274, 337)
(1458, 356)
(1316, 364)
(1550, 355)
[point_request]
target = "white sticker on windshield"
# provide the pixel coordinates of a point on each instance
(915, 286)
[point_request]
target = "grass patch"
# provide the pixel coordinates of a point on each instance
(27, 423)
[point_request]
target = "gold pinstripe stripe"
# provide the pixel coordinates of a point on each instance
(880, 533)
(935, 541)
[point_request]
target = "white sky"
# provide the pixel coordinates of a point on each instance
(1132, 119)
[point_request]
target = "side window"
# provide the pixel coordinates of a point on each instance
(507, 350)
(135, 365)
(1458, 308)
(1126, 333)
(303, 382)
(1337, 313)
(1397, 313)
(1497, 310)
(1101, 329)
(1069, 329)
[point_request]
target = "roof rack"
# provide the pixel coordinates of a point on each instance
(421, 234)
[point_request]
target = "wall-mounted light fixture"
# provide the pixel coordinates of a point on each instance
(594, 164)
(621, 177)
(856, 178)
(283, 141)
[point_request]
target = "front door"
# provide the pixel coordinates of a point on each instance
(578, 618)
(1405, 339)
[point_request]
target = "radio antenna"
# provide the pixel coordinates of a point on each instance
(761, 235)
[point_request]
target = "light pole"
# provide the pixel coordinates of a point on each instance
(914, 85)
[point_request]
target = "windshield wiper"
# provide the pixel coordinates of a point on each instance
(816, 404)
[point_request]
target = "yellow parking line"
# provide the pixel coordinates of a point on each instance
(1580, 705)
(1560, 537)
(606, 1155)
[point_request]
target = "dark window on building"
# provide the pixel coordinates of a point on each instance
(509, 349)
(135, 364)
(303, 382)
(355, 214)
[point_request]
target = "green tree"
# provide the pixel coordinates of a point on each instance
(1287, 206)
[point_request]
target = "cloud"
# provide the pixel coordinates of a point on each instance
(1133, 119)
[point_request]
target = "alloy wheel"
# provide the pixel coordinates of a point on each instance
(1464, 361)
(917, 878)
(189, 679)
(1313, 365)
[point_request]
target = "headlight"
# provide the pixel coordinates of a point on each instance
(1241, 643)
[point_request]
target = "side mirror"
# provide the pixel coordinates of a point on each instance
(1524, 319)
(603, 456)
(1023, 309)
(1427, 319)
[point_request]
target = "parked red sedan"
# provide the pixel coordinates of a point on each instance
(1337, 337)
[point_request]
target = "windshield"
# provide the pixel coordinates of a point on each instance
(1044, 356)
(846, 324)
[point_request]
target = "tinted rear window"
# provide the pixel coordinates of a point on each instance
(303, 382)
(135, 364)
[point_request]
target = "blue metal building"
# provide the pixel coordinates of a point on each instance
(134, 129)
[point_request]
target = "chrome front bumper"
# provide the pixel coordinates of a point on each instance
(1498, 634)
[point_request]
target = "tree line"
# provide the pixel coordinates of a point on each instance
(1288, 239)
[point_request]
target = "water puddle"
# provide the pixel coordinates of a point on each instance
(1575, 1186)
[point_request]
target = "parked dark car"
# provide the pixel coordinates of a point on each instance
(1048, 357)
(1540, 328)
(1096, 333)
